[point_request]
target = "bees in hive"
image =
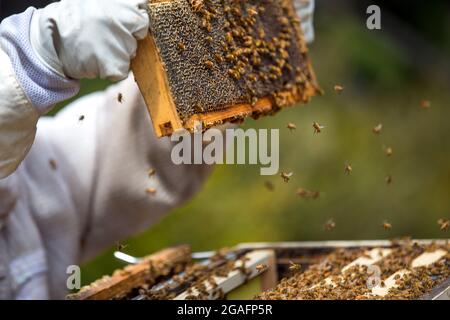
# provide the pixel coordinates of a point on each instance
(181, 46)
(317, 127)
(196, 5)
(330, 225)
(209, 64)
(444, 224)
(291, 126)
(261, 268)
(377, 129)
(286, 176)
(338, 88)
(386, 225)
(120, 97)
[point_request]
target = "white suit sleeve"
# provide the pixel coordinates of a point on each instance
(105, 159)
(18, 119)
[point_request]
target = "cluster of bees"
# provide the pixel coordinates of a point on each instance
(251, 56)
(352, 284)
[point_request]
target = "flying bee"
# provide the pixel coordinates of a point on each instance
(81, 118)
(286, 176)
(444, 224)
(377, 129)
(307, 194)
(294, 266)
(291, 126)
(388, 179)
(386, 225)
(261, 268)
(120, 246)
(348, 169)
(269, 186)
(330, 225)
(425, 104)
(53, 164)
(388, 151)
(150, 190)
(338, 88)
(151, 172)
(317, 127)
(120, 97)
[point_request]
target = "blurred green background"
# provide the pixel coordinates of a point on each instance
(386, 75)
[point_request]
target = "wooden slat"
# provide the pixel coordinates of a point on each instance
(123, 281)
(235, 278)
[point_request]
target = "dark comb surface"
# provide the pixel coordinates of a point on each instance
(219, 53)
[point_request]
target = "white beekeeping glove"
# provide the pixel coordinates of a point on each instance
(89, 39)
(305, 11)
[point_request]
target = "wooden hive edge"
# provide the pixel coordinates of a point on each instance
(152, 80)
(124, 280)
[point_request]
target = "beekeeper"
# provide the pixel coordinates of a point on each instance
(74, 184)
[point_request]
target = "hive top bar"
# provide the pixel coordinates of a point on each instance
(219, 54)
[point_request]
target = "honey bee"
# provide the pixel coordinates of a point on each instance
(307, 194)
(120, 97)
(294, 266)
(388, 179)
(151, 172)
(150, 190)
(348, 169)
(197, 5)
(252, 11)
(425, 104)
(209, 39)
(120, 246)
(291, 126)
(377, 129)
(330, 225)
(181, 46)
(269, 186)
(53, 164)
(338, 88)
(261, 268)
(286, 176)
(444, 224)
(81, 118)
(388, 151)
(387, 226)
(317, 127)
(209, 64)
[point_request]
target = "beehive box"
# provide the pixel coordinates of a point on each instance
(213, 61)
(296, 270)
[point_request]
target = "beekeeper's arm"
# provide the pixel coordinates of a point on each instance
(44, 52)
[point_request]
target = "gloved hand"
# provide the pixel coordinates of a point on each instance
(305, 11)
(89, 39)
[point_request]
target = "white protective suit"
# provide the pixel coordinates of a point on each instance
(82, 183)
